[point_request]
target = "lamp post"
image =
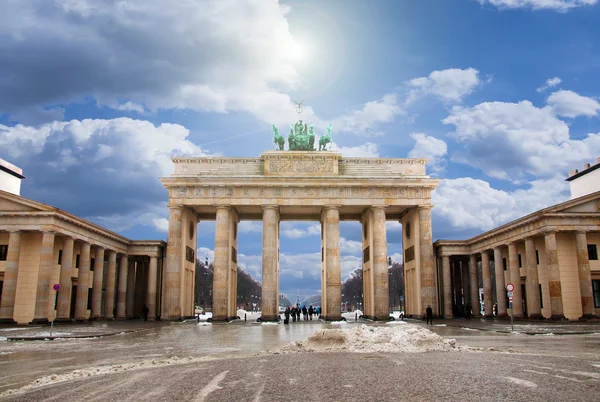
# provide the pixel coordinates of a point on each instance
(204, 284)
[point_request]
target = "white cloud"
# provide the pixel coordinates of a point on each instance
(514, 140)
(366, 150)
(571, 104)
(559, 5)
(298, 231)
(161, 224)
(130, 107)
(105, 170)
(350, 247)
(250, 227)
(364, 120)
(550, 83)
(431, 148)
(452, 84)
(468, 203)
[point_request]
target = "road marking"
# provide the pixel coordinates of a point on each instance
(259, 393)
(519, 381)
(212, 386)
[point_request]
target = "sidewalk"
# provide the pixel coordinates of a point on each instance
(524, 326)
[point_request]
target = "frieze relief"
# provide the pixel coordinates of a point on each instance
(367, 192)
(301, 166)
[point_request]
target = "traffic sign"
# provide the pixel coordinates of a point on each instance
(509, 294)
(56, 287)
(510, 287)
(510, 299)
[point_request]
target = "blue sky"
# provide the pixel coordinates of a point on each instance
(500, 95)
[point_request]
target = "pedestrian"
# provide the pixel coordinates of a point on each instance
(298, 311)
(310, 312)
(469, 308)
(496, 310)
(305, 313)
(287, 315)
(146, 311)
(293, 312)
(429, 313)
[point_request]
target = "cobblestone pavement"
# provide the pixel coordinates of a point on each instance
(227, 364)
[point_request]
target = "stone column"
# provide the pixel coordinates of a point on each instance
(9, 289)
(221, 264)
(130, 295)
(82, 283)
(532, 283)
(556, 303)
(428, 288)
(380, 265)
(173, 267)
(515, 278)
(151, 294)
(474, 286)
(500, 285)
(270, 291)
(109, 296)
(487, 284)
(585, 276)
(333, 277)
(446, 286)
(97, 284)
(40, 315)
(122, 290)
(64, 294)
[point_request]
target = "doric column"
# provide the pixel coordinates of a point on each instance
(221, 264)
(270, 291)
(515, 278)
(474, 286)
(487, 284)
(500, 285)
(447, 286)
(556, 303)
(122, 289)
(130, 296)
(109, 296)
(428, 289)
(9, 289)
(532, 283)
(172, 280)
(380, 265)
(63, 310)
(40, 315)
(333, 279)
(97, 284)
(151, 294)
(82, 283)
(585, 276)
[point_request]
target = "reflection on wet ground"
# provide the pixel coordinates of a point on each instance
(24, 361)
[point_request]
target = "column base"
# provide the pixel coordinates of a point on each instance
(446, 317)
(333, 318)
(375, 318)
(502, 316)
(557, 317)
(94, 318)
(269, 318)
(39, 321)
(587, 317)
(223, 319)
(108, 318)
(64, 320)
(80, 320)
(120, 318)
(7, 321)
(536, 316)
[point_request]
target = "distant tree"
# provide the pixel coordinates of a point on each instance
(204, 282)
(249, 290)
(352, 289)
(396, 283)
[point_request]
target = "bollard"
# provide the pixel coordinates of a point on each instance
(244, 317)
(355, 316)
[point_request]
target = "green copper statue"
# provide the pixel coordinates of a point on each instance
(301, 137)
(326, 139)
(277, 138)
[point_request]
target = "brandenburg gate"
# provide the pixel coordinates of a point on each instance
(299, 185)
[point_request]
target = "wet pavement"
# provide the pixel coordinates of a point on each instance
(236, 347)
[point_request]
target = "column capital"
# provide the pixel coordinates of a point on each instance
(422, 207)
(173, 206)
(14, 230)
(222, 206)
(498, 247)
(270, 206)
(328, 207)
(581, 232)
(379, 206)
(97, 247)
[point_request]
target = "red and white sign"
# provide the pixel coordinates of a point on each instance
(510, 287)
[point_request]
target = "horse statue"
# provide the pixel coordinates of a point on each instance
(277, 138)
(292, 139)
(311, 138)
(326, 139)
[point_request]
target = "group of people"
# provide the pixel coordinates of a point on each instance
(296, 311)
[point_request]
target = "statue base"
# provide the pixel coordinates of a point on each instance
(303, 163)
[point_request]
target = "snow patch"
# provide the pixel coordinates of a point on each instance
(367, 339)
(339, 323)
(269, 323)
(468, 329)
(396, 322)
(519, 381)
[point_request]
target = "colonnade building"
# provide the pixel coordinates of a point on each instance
(101, 273)
(550, 256)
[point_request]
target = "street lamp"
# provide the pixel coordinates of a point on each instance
(205, 280)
